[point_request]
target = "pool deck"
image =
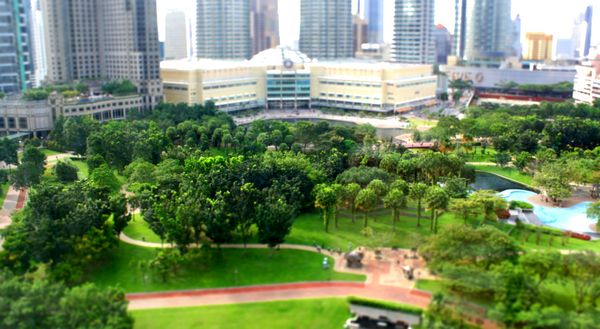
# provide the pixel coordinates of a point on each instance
(579, 196)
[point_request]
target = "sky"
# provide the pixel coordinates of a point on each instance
(550, 16)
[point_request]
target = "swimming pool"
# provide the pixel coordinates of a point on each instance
(573, 218)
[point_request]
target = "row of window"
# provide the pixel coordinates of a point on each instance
(12, 123)
(352, 84)
(230, 85)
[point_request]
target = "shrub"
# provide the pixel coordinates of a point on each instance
(385, 305)
(520, 204)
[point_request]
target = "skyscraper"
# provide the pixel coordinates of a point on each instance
(588, 32)
(483, 29)
(264, 21)
(539, 46)
(413, 32)
(223, 29)
(16, 58)
(176, 35)
(359, 31)
(326, 28)
(443, 44)
(373, 14)
(104, 39)
(517, 48)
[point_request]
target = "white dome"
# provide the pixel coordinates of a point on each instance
(280, 56)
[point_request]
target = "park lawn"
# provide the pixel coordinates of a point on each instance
(138, 229)
(476, 155)
(292, 314)
(49, 153)
(83, 169)
(416, 122)
(213, 269)
(508, 172)
(308, 229)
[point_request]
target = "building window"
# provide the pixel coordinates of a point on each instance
(23, 123)
(2, 123)
(11, 123)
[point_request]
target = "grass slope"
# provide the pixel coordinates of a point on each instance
(138, 229)
(294, 314)
(508, 172)
(232, 267)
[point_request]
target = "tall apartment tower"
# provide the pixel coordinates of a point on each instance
(483, 29)
(360, 31)
(413, 32)
(588, 33)
(264, 22)
(326, 28)
(176, 35)
(104, 39)
(373, 14)
(16, 58)
(39, 43)
(223, 29)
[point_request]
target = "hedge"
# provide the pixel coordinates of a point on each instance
(385, 305)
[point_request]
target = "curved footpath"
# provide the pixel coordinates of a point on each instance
(371, 288)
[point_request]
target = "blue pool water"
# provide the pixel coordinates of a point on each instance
(573, 218)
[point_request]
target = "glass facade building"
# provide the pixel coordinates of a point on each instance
(288, 89)
(223, 29)
(413, 32)
(16, 58)
(326, 29)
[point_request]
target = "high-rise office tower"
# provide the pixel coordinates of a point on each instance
(39, 43)
(104, 39)
(413, 32)
(326, 28)
(373, 14)
(517, 48)
(16, 58)
(223, 29)
(588, 31)
(359, 31)
(483, 29)
(539, 46)
(264, 22)
(176, 35)
(443, 44)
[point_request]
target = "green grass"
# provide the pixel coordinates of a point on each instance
(476, 155)
(3, 193)
(433, 286)
(138, 229)
(48, 152)
(508, 172)
(418, 122)
(293, 314)
(83, 168)
(211, 269)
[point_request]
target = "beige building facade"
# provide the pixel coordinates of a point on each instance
(280, 78)
(539, 46)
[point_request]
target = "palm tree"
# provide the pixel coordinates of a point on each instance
(366, 200)
(417, 192)
(395, 200)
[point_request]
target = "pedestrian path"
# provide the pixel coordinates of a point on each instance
(15, 199)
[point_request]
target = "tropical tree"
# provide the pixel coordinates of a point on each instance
(274, 221)
(395, 200)
(366, 201)
(31, 169)
(326, 200)
(465, 208)
(437, 200)
(490, 202)
(593, 212)
(349, 194)
(65, 172)
(417, 193)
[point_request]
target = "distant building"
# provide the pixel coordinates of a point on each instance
(264, 24)
(483, 30)
(413, 32)
(176, 35)
(374, 51)
(88, 40)
(281, 78)
(223, 29)
(372, 12)
(586, 87)
(326, 29)
(539, 46)
(565, 49)
(517, 48)
(161, 50)
(16, 47)
(39, 43)
(359, 31)
(588, 33)
(443, 44)
(582, 33)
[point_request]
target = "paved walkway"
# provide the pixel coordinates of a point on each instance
(15, 199)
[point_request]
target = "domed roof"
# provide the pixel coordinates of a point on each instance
(280, 56)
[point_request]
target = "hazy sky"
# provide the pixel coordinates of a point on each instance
(550, 16)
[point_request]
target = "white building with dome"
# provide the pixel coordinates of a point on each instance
(285, 79)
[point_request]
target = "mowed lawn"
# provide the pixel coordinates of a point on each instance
(213, 268)
(293, 314)
(138, 229)
(508, 172)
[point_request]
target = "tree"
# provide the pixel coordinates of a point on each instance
(593, 212)
(76, 131)
(417, 193)
(350, 192)
(522, 160)
(41, 304)
(437, 200)
(274, 221)
(465, 208)
(8, 151)
(326, 200)
(490, 202)
(456, 187)
(502, 158)
(366, 201)
(31, 169)
(104, 177)
(65, 172)
(379, 187)
(121, 215)
(395, 200)
(218, 224)
(555, 180)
